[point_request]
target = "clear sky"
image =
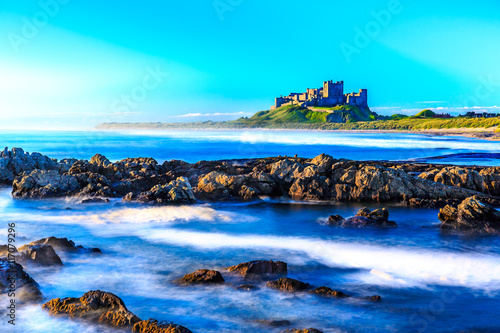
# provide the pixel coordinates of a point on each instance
(75, 63)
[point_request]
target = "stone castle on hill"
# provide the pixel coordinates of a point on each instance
(331, 94)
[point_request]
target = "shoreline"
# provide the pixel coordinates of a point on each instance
(490, 134)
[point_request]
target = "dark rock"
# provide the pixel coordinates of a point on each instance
(274, 323)
(95, 200)
(287, 284)
(26, 289)
(43, 255)
(364, 218)
(177, 191)
(470, 215)
(64, 245)
(94, 306)
(202, 276)
(260, 269)
(305, 330)
(328, 292)
(246, 287)
(154, 326)
(375, 298)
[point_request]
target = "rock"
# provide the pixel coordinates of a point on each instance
(177, 191)
(100, 160)
(13, 278)
(94, 306)
(290, 285)
(431, 203)
(286, 170)
(470, 215)
(43, 255)
(246, 287)
(154, 326)
(64, 245)
(305, 330)
(202, 276)
(375, 298)
(260, 269)
(274, 323)
(323, 162)
(217, 185)
(16, 161)
(364, 218)
(328, 292)
(43, 184)
(95, 200)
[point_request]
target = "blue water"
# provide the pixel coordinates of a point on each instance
(429, 281)
(193, 146)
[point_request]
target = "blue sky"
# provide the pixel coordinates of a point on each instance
(73, 64)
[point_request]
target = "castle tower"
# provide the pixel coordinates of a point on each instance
(333, 89)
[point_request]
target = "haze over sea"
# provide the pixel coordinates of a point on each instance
(429, 281)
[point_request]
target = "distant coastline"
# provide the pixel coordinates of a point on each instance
(478, 128)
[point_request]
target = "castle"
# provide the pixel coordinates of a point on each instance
(331, 94)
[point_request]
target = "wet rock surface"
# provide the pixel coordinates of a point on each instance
(154, 326)
(289, 285)
(305, 330)
(319, 178)
(260, 269)
(328, 292)
(13, 278)
(94, 306)
(43, 255)
(201, 276)
(470, 215)
(364, 218)
(107, 309)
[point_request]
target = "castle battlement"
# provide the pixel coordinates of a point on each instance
(331, 94)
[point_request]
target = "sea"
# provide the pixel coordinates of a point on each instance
(429, 281)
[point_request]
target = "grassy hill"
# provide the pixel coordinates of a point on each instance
(296, 114)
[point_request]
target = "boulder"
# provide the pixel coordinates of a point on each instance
(260, 269)
(246, 287)
(43, 184)
(375, 298)
(286, 170)
(63, 245)
(13, 278)
(323, 162)
(219, 186)
(177, 191)
(16, 161)
(364, 218)
(328, 292)
(290, 285)
(305, 330)
(94, 306)
(470, 215)
(100, 160)
(43, 255)
(202, 276)
(154, 326)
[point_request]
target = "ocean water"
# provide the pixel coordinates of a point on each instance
(429, 281)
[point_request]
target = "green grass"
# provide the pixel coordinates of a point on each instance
(425, 114)
(296, 117)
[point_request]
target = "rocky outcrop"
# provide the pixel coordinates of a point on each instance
(364, 218)
(289, 285)
(305, 330)
(470, 215)
(260, 269)
(94, 306)
(328, 292)
(64, 245)
(13, 278)
(154, 326)
(486, 180)
(320, 178)
(201, 276)
(108, 309)
(16, 161)
(43, 255)
(177, 191)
